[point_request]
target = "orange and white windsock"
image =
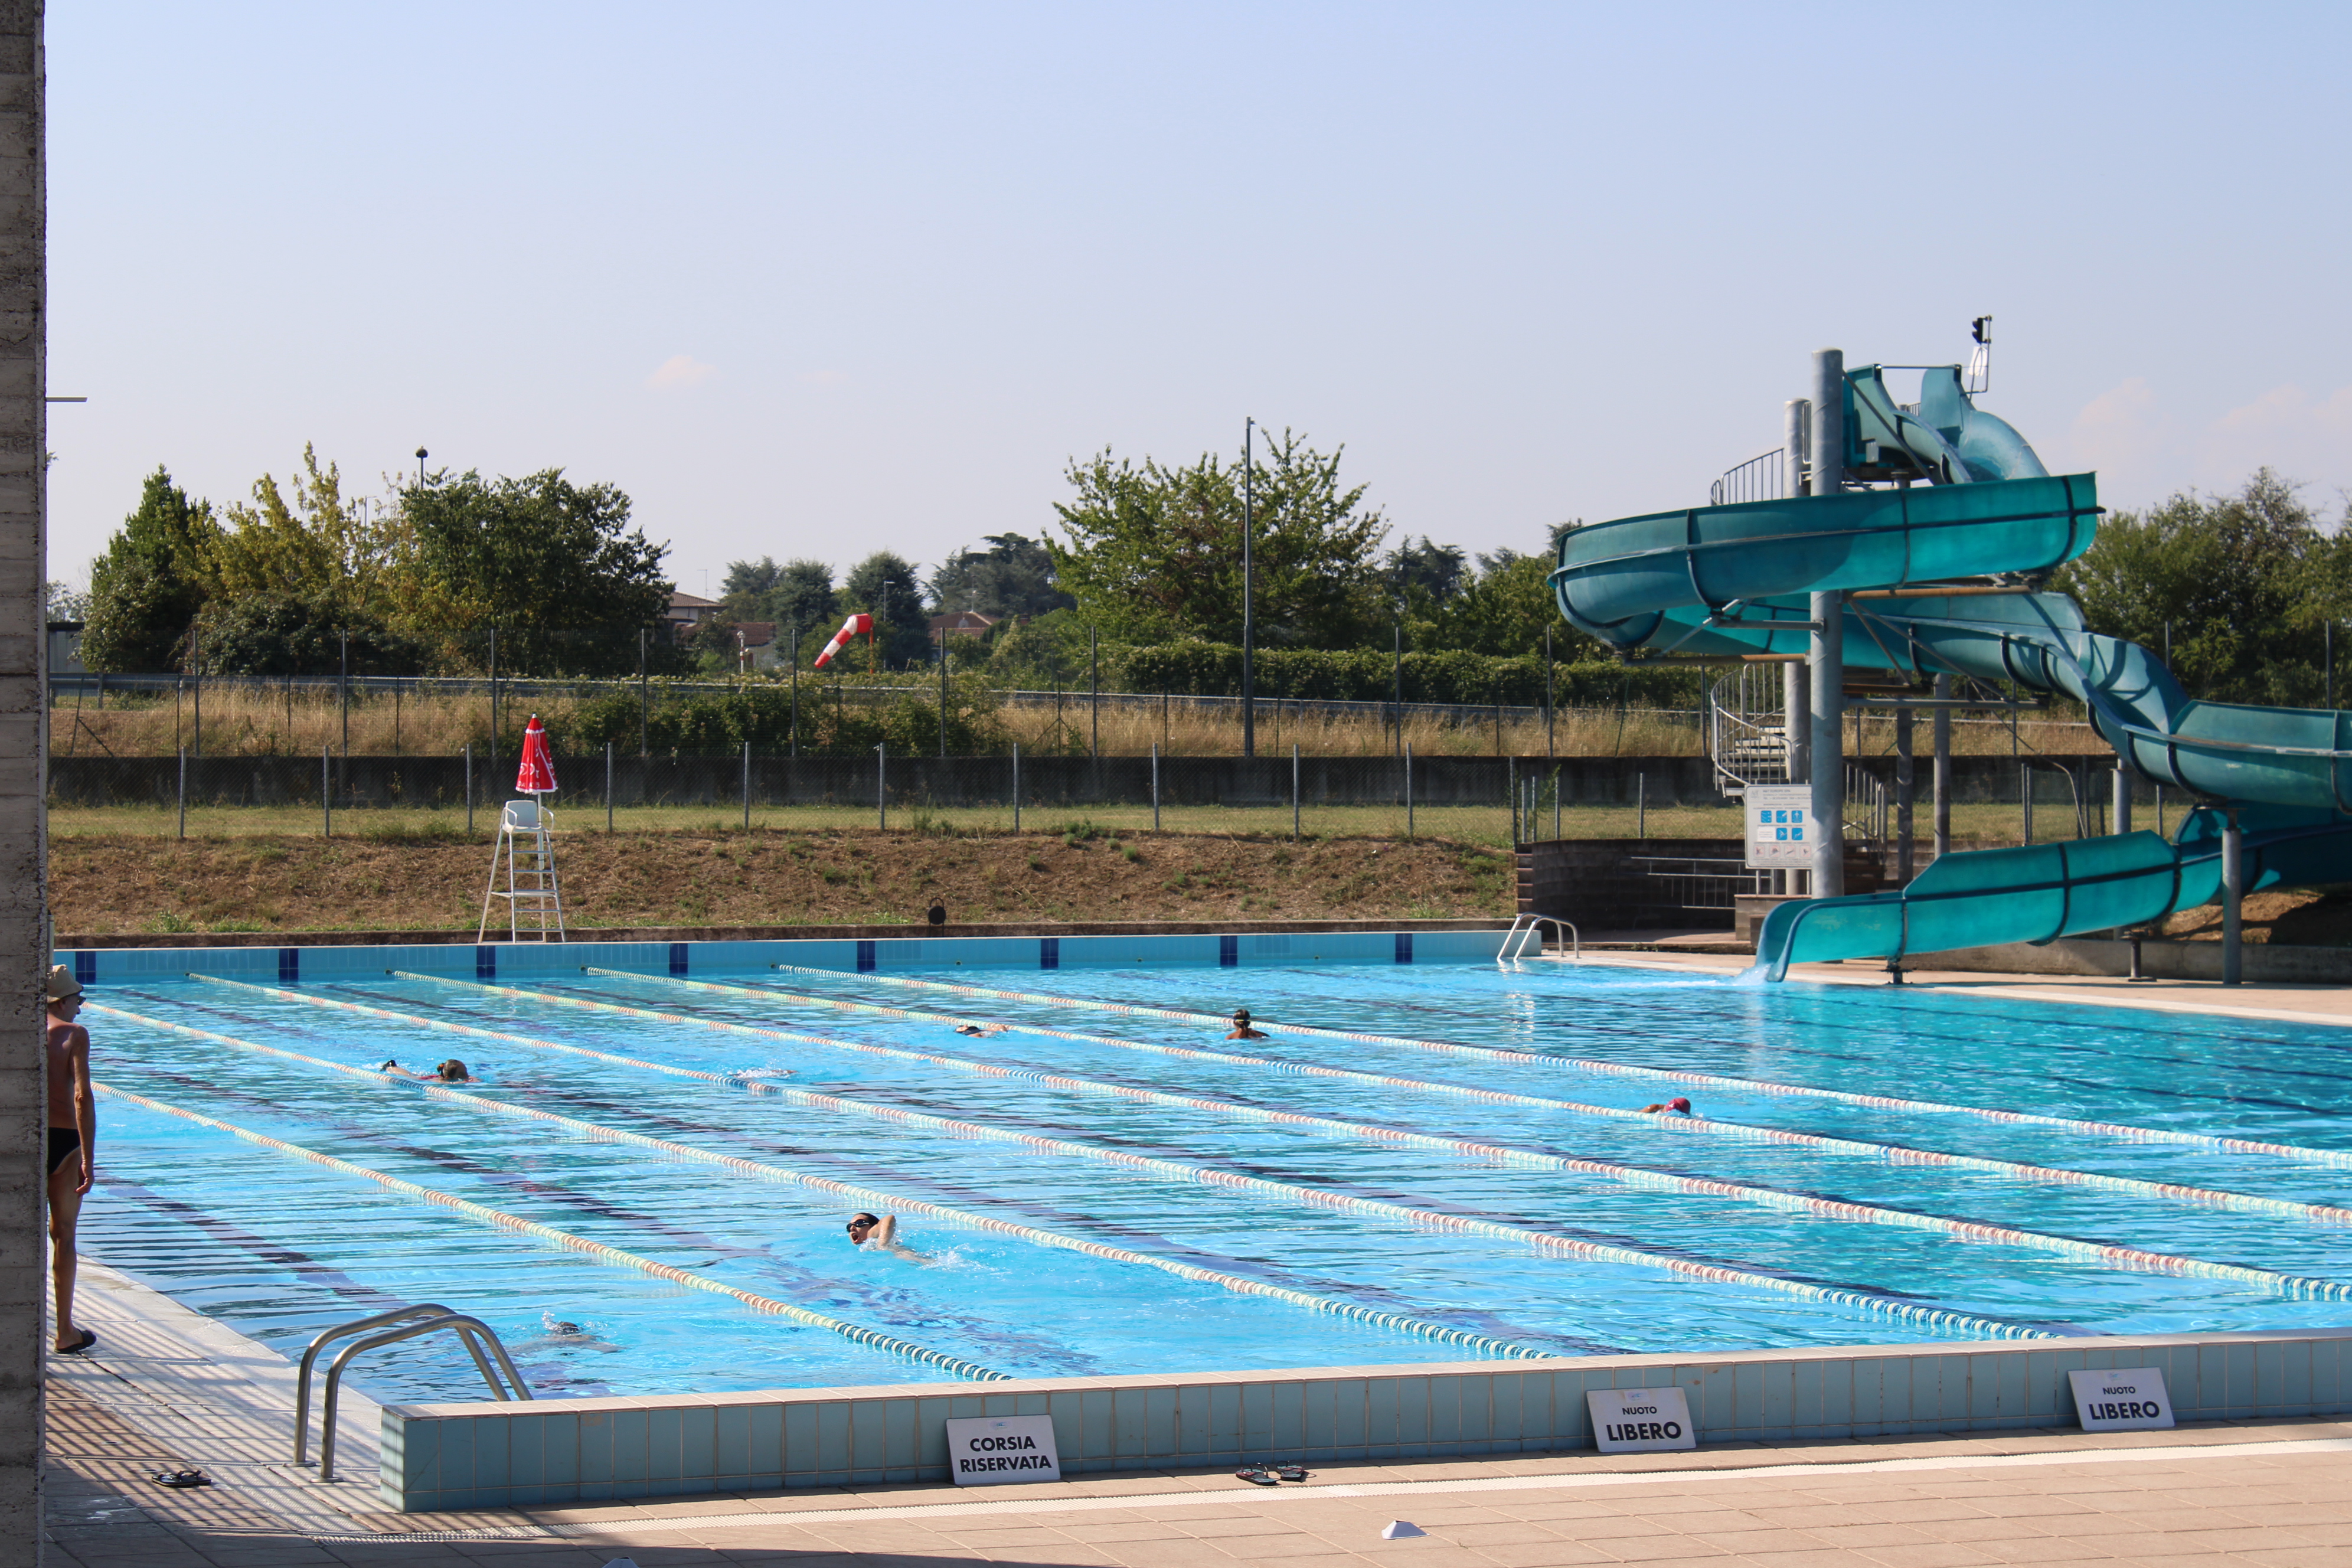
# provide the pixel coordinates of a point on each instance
(854, 627)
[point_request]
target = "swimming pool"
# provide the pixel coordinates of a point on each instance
(646, 1193)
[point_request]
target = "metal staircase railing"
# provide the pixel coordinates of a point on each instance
(424, 1318)
(1758, 478)
(1746, 733)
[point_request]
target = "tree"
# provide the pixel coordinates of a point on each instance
(552, 566)
(64, 602)
(315, 550)
(284, 634)
(796, 595)
(1013, 576)
(885, 586)
(1505, 608)
(146, 589)
(2243, 582)
(1151, 553)
(1420, 577)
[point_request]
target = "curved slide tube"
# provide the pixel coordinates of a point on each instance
(1735, 580)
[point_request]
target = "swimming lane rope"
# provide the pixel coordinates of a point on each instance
(1894, 1153)
(1574, 1246)
(500, 1219)
(869, 1197)
(1618, 1070)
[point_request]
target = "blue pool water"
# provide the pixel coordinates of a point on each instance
(1561, 1232)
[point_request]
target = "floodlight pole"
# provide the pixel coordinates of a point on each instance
(1249, 592)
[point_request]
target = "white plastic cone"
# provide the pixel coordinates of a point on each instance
(1397, 1529)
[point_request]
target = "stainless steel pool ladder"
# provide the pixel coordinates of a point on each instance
(1525, 926)
(424, 1318)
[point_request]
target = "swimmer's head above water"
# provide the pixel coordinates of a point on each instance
(861, 1225)
(1674, 1106)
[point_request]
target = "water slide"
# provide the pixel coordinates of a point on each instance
(1734, 580)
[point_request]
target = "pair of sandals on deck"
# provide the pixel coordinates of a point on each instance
(1271, 1474)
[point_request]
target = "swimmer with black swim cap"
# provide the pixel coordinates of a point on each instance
(881, 1233)
(1242, 1030)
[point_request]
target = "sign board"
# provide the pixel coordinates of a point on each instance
(1640, 1420)
(999, 1450)
(1779, 826)
(2129, 1399)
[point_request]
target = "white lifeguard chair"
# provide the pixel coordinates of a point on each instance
(534, 895)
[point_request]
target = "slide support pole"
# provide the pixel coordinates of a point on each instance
(2122, 823)
(2233, 892)
(1904, 791)
(1943, 743)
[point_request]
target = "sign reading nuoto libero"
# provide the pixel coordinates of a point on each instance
(1640, 1420)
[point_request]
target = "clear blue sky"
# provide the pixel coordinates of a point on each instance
(813, 279)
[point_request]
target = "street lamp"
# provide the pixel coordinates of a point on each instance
(420, 454)
(1249, 600)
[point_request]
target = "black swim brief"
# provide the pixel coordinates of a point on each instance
(63, 1143)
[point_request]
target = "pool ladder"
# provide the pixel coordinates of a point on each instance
(424, 1318)
(1525, 926)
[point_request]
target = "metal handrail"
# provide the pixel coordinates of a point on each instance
(1523, 924)
(470, 1330)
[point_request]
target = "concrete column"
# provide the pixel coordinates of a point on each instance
(1796, 714)
(1795, 416)
(1827, 759)
(1943, 725)
(24, 858)
(2234, 897)
(2122, 823)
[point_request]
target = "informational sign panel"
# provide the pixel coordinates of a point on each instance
(1640, 1420)
(2129, 1400)
(1780, 827)
(999, 1450)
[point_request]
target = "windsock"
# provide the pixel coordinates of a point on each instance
(537, 775)
(854, 627)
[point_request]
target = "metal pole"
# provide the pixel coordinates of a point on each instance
(1294, 791)
(1548, 695)
(1407, 791)
(1249, 598)
(1397, 711)
(1155, 788)
(343, 685)
(1796, 708)
(1640, 806)
(2329, 629)
(1942, 724)
(2025, 800)
(327, 791)
(608, 786)
(944, 695)
(881, 784)
(1094, 679)
(1794, 416)
(1016, 787)
(644, 697)
(470, 788)
(2121, 811)
(2233, 892)
(183, 792)
(1827, 761)
(796, 690)
(1903, 791)
(196, 657)
(747, 786)
(1511, 788)
(494, 702)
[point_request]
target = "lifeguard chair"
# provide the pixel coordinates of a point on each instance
(526, 845)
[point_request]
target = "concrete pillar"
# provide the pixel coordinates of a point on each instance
(1827, 655)
(23, 860)
(1796, 714)
(2234, 897)
(2122, 823)
(1943, 725)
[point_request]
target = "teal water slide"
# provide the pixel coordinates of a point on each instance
(1734, 580)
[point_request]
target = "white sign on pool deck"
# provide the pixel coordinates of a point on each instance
(1640, 1420)
(2129, 1399)
(1778, 818)
(998, 1450)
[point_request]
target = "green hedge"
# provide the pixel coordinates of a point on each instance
(1369, 675)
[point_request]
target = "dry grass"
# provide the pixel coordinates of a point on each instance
(244, 722)
(772, 877)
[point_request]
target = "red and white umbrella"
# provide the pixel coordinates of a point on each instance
(854, 627)
(537, 774)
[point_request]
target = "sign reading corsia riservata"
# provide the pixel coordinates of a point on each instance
(997, 1450)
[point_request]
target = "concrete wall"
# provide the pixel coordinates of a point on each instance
(23, 860)
(2265, 964)
(441, 1457)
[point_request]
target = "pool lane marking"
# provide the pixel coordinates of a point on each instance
(866, 1508)
(2108, 1254)
(784, 1175)
(1893, 1153)
(1543, 1240)
(1618, 1070)
(502, 1220)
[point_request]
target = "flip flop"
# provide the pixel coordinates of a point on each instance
(88, 1338)
(1292, 1472)
(1257, 1475)
(179, 1478)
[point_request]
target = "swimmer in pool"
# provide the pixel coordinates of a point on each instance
(1674, 1106)
(1242, 1030)
(882, 1235)
(451, 1072)
(982, 1028)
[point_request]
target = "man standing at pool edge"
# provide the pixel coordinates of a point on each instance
(73, 1145)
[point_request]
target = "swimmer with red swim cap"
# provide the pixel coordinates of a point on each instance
(1674, 1106)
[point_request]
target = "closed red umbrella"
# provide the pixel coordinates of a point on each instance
(537, 774)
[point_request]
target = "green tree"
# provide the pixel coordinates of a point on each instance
(1422, 577)
(886, 586)
(2242, 581)
(286, 634)
(553, 566)
(1504, 608)
(1151, 553)
(1013, 576)
(146, 589)
(797, 596)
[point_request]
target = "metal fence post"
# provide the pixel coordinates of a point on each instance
(2025, 799)
(1016, 787)
(943, 694)
(327, 791)
(470, 787)
(1555, 805)
(1640, 806)
(608, 786)
(747, 786)
(1294, 791)
(1155, 786)
(1408, 789)
(645, 695)
(1511, 788)
(1094, 681)
(183, 792)
(881, 785)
